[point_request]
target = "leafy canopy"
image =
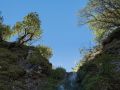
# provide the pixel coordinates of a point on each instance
(103, 16)
(29, 29)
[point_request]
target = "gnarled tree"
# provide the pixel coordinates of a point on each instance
(29, 29)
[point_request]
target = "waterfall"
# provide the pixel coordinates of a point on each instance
(61, 87)
(69, 83)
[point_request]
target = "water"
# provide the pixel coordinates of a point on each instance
(61, 87)
(69, 83)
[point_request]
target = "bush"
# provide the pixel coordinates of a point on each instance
(58, 73)
(45, 51)
(35, 58)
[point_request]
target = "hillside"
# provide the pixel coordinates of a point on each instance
(23, 68)
(100, 69)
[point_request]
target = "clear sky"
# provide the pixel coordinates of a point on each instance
(59, 23)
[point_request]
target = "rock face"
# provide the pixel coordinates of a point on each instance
(22, 68)
(101, 71)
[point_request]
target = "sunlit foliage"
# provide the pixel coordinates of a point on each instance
(29, 29)
(45, 51)
(103, 16)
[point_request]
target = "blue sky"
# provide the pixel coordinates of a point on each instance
(59, 23)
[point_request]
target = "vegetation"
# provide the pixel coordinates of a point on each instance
(29, 29)
(45, 51)
(99, 74)
(102, 16)
(21, 65)
(58, 73)
(56, 77)
(14, 69)
(5, 31)
(97, 70)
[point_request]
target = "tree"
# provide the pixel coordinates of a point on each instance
(29, 29)
(45, 51)
(58, 73)
(5, 31)
(103, 16)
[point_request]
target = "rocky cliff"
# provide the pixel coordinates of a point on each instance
(100, 69)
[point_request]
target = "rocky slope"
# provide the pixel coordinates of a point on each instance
(101, 68)
(23, 68)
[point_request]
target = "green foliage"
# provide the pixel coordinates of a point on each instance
(95, 83)
(5, 31)
(58, 73)
(7, 65)
(98, 74)
(51, 84)
(35, 58)
(29, 29)
(104, 64)
(13, 73)
(45, 51)
(102, 16)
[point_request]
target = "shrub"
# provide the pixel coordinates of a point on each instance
(45, 51)
(59, 73)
